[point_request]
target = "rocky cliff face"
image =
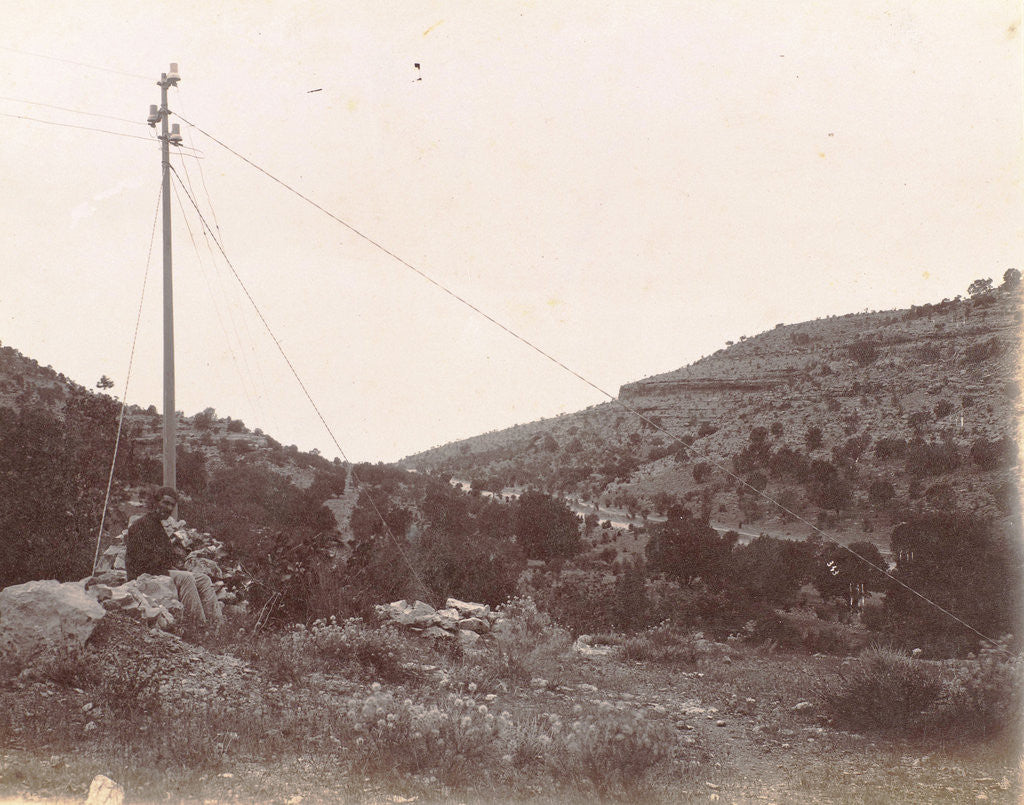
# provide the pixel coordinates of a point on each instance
(943, 374)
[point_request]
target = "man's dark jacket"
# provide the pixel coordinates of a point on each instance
(148, 548)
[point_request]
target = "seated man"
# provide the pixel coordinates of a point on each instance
(148, 549)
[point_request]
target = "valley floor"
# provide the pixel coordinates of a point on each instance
(745, 723)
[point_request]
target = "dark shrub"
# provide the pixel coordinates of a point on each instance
(880, 493)
(943, 408)
(931, 458)
(544, 527)
(964, 563)
(976, 353)
(994, 454)
(863, 353)
(986, 697)
(701, 472)
(886, 691)
(684, 548)
(890, 447)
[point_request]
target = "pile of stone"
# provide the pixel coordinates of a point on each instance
(203, 554)
(46, 614)
(465, 621)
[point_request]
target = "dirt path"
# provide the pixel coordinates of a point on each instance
(760, 751)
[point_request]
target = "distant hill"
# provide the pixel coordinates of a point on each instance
(850, 421)
(24, 383)
(56, 445)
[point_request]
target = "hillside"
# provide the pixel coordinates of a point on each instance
(924, 399)
(56, 445)
(25, 384)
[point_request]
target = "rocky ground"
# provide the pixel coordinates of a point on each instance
(746, 723)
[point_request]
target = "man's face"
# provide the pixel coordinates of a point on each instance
(165, 506)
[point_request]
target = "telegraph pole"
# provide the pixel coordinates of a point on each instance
(169, 79)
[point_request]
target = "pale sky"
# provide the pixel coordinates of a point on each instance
(627, 185)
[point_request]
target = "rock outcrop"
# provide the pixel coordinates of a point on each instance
(462, 620)
(38, 615)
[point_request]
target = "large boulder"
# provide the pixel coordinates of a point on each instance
(38, 615)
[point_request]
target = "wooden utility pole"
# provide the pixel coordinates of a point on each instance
(169, 79)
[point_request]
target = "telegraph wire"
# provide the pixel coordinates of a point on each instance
(124, 393)
(202, 176)
(299, 380)
(75, 126)
(75, 111)
(256, 379)
(408, 265)
(216, 307)
(613, 398)
(72, 61)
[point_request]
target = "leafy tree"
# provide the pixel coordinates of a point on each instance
(880, 493)
(204, 419)
(1011, 279)
(545, 528)
(827, 487)
(943, 408)
(931, 458)
(964, 564)
(375, 514)
(104, 383)
(848, 573)
(852, 448)
(705, 429)
(769, 569)
(53, 475)
(701, 472)
(788, 462)
(662, 501)
(979, 287)
(685, 548)
(813, 438)
(994, 454)
(863, 353)
(466, 550)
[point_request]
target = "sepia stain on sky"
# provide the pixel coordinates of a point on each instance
(674, 174)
